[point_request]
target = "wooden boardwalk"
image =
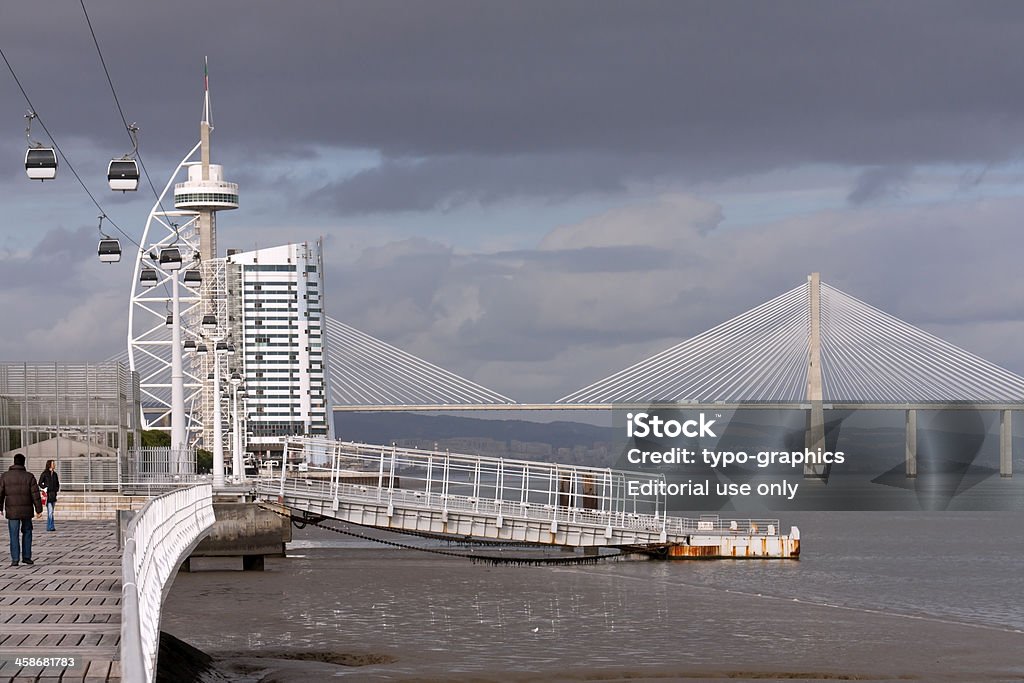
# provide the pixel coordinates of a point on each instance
(66, 605)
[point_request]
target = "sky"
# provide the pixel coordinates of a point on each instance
(537, 194)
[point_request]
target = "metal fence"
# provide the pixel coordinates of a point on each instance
(143, 469)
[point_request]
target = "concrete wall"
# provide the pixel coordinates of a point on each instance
(93, 506)
(245, 529)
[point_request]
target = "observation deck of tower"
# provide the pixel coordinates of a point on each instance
(206, 191)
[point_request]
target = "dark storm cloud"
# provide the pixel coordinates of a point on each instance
(878, 183)
(712, 89)
(448, 182)
(58, 257)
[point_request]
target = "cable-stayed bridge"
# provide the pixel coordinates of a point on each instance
(812, 348)
(767, 355)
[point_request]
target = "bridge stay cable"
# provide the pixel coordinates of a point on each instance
(762, 356)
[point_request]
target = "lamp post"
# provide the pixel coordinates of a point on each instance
(238, 465)
(219, 347)
(170, 260)
(202, 351)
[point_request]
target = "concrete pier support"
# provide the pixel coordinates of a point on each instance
(815, 439)
(1005, 443)
(911, 444)
(245, 531)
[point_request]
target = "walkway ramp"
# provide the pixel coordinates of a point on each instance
(65, 608)
(518, 501)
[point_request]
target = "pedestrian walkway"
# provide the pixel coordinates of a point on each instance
(67, 606)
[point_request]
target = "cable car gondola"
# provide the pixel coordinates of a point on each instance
(40, 161)
(123, 175)
(148, 277)
(109, 250)
(170, 258)
(190, 345)
(193, 278)
(209, 322)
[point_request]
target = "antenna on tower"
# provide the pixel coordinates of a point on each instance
(206, 90)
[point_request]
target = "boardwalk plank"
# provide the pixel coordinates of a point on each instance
(59, 609)
(67, 604)
(97, 672)
(46, 629)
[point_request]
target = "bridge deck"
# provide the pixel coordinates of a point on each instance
(66, 605)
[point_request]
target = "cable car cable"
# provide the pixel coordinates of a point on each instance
(63, 156)
(60, 151)
(131, 129)
(117, 102)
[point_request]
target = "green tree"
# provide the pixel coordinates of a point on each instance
(204, 461)
(154, 437)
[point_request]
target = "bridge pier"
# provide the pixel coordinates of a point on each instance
(911, 443)
(243, 532)
(1005, 443)
(815, 436)
(814, 439)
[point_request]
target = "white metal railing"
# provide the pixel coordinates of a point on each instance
(140, 485)
(157, 539)
(481, 478)
(499, 487)
(160, 460)
(146, 468)
(509, 510)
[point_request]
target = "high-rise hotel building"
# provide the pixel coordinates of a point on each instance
(275, 309)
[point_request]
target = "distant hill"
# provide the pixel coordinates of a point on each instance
(560, 441)
(869, 447)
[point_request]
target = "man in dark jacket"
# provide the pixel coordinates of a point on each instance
(19, 495)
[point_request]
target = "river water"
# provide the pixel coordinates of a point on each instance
(879, 596)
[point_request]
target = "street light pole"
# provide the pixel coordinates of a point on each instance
(178, 430)
(237, 463)
(218, 435)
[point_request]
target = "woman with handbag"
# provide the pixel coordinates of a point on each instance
(50, 482)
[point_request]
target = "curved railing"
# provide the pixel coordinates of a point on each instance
(162, 534)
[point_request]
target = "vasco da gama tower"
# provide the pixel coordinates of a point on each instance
(229, 349)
